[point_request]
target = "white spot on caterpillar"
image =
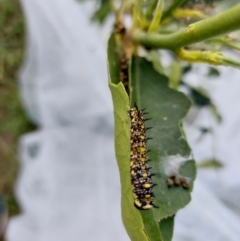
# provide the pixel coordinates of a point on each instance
(165, 118)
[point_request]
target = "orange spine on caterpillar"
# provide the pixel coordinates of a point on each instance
(142, 185)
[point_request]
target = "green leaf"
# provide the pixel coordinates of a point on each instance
(132, 219)
(187, 68)
(156, 17)
(175, 74)
(154, 57)
(199, 97)
(103, 11)
(170, 152)
(213, 72)
(150, 9)
(166, 227)
(216, 113)
(211, 163)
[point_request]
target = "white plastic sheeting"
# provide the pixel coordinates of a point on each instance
(68, 186)
(214, 213)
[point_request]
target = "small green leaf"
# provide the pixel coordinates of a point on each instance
(103, 11)
(199, 97)
(156, 17)
(187, 68)
(211, 163)
(175, 74)
(154, 57)
(166, 227)
(150, 9)
(213, 72)
(213, 58)
(216, 113)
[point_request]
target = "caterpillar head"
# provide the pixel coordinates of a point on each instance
(145, 205)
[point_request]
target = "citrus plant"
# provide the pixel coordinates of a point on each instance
(190, 33)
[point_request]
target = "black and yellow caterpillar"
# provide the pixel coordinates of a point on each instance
(141, 180)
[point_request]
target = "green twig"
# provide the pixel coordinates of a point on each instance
(156, 17)
(226, 42)
(150, 9)
(222, 23)
(138, 17)
(169, 11)
(120, 12)
(214, 58)
(188, 13)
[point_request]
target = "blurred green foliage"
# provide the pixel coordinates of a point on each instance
(105, 7)
(13, 121)
(102, 11)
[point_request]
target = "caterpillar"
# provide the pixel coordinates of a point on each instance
(123, 74)
(141, 180)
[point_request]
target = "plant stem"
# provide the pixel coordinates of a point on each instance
(169, 11)
(121, 10)
(151, 8)
(222, 23)
(214, 58)
(188, 13)
(226, 42)
(156, 17)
